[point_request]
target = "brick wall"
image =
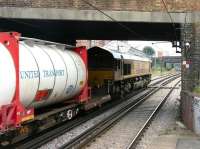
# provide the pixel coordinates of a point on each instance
(187, 36)
(191, 75)
(130, 5)
(91, 43)
(86, 43)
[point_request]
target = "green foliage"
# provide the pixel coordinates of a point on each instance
(149, 51)
(197, 90)
(156, 71)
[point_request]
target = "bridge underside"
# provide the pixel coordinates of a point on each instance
(62, 30)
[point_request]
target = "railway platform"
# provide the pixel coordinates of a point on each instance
(180, 138)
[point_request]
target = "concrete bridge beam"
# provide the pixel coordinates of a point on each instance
(94, 15)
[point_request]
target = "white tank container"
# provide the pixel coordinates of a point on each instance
(7, 76)
(48, 74)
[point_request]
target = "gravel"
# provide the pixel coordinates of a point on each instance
(121, 134)
(165, 121)
(58, 142)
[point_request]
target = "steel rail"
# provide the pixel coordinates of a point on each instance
(164, 76)
(105, 124)
(136, 139)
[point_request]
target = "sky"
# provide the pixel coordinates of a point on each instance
(165, 47)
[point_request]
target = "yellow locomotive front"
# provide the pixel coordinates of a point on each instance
(100, 67)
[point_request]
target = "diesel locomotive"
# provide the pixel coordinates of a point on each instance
(118, 68)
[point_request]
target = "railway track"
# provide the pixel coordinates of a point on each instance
(108, 122)
(155, 80)
(44, 137)
(140, 133)
(159, 77)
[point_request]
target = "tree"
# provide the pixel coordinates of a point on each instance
(149, 51)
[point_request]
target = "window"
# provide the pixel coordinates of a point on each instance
(127, 69)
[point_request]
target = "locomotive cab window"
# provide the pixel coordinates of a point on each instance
(127, 69)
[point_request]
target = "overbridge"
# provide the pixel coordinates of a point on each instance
(97, 19)
(172, 59)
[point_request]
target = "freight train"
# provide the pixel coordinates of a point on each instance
(44, 83)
